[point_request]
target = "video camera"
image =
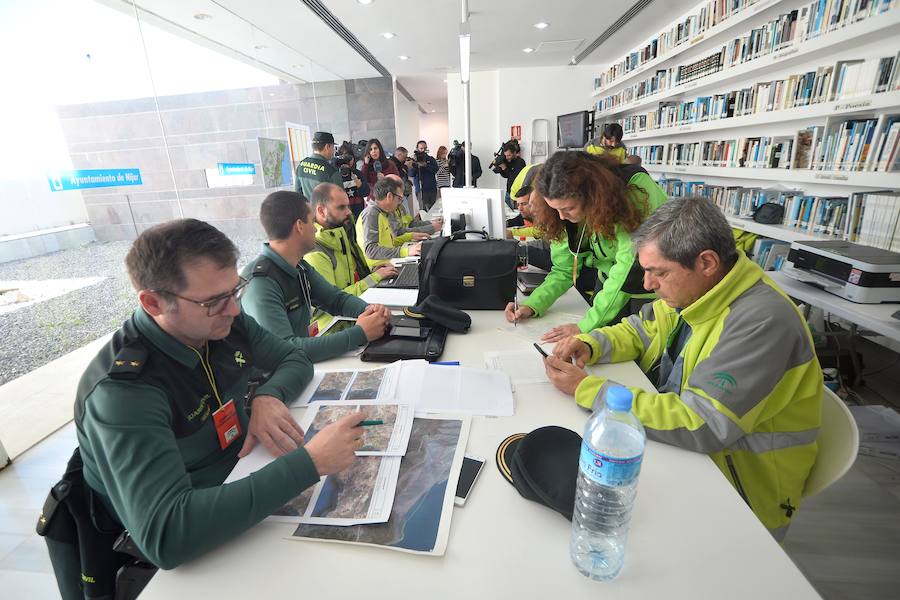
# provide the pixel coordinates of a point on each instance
(500, 158)
(344, 162)
(421, 155)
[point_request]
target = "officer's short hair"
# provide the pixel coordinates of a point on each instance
(158, 256)
(683, 228)
(280, 210)
(321, 194)
(387, 185)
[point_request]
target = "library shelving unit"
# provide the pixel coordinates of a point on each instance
(792, 96)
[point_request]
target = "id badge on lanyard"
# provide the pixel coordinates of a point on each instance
(228, 426)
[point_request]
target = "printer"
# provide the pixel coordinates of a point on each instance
(858, 273)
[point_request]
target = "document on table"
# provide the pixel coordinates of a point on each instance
(532, 329)
(423, 504)
(522, 366)
(461, 390)
(390, 438)
(364, 493)
(391, 297)
(371, 384)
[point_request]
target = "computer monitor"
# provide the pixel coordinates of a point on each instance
(482, 208)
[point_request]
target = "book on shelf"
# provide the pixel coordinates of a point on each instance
(766, 253)
(874, 218)
(796, 26)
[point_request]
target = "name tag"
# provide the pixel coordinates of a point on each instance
(228, 427)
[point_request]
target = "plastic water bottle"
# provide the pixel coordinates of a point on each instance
(522, 254)
(608, 470)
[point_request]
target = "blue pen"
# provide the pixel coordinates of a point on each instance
(447, 363)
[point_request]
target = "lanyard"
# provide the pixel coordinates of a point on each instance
(575, 254)
(207, 368)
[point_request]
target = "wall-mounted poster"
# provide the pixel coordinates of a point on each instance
(276, 162)
(300, 143)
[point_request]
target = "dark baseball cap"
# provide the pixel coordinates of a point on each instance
(543, 466)
(323, 137)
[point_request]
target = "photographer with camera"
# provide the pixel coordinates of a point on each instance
(457, 159)
(317, 168)
(376, 164)
(354, 186)
(422, 172)
(507, 164)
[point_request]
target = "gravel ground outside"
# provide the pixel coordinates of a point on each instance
(35, 335)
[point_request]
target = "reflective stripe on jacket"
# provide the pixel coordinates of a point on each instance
(746, 387)
(340, 261)
(378, 234)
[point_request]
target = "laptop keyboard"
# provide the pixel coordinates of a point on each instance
(407, 278)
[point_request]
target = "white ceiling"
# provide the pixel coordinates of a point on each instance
(285, 38)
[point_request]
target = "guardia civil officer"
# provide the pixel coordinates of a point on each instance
(316, 169)
(285, 293)
(162, 413)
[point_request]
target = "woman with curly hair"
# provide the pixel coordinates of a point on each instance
(587, 207)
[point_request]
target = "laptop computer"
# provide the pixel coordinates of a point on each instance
(407, 278)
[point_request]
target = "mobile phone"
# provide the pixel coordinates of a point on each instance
(471, 467)
(541, 350)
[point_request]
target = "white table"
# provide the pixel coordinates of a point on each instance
(692, 536)
(872, 317)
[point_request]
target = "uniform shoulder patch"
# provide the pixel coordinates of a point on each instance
(129, 362)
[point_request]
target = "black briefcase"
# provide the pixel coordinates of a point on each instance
(469, 274)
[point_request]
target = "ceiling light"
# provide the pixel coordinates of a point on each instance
(202, 17)
(541, 25)
(465, 51)
(445, 81)
(403, 57)
(365, 2)
(432, 110)
(387, 35)
(260, 47)
(527, 50)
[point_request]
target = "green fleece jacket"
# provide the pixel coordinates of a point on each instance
(282, 301)
(143, 415)
(614, 260)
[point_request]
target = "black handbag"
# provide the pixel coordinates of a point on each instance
(469, 274)
(769, 213)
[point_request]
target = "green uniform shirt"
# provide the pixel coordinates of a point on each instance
(149, 444)
(313, 170)
(280, 302)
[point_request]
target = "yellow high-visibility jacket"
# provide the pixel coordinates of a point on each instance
(746, 387)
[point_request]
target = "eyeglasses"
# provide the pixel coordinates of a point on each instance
(215, 306)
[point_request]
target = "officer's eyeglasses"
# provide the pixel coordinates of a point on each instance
(216, 306)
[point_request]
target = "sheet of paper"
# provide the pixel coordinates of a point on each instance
(532, 329)
(364, 493)
(370, 384)
(387, 439)
(522, 366)
(390, 296)
(423, 504)
(470, 391)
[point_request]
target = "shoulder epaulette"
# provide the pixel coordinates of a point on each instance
(129, 362)
(262, 268)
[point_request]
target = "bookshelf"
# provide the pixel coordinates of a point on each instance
(882, 27)
(788, 89)
(709, 34)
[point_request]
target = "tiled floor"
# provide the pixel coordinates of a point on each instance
(846, 540)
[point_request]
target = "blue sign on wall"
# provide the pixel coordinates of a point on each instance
(92, 178)
(237, 169)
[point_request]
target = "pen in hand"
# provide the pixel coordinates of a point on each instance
(368, 423)
(515, 310)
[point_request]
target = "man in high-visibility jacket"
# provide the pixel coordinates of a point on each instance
(336, 256)
(732, 359)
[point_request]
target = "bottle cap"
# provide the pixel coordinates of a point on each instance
(618, 398)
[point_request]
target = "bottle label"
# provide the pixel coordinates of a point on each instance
(608, 470)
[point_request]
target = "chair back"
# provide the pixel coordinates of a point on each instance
(838, 442)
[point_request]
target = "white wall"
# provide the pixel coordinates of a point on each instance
(406, 122)
(541, 93)
(485, 95)
(509, 97)
(433, 128)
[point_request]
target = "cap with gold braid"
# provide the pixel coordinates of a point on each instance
(542, 466)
